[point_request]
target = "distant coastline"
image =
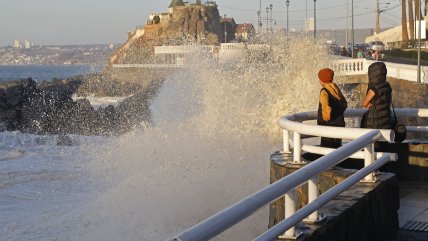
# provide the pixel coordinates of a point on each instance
(45, 72)
(61, 55)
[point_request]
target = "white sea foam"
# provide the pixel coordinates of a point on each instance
(213, 130)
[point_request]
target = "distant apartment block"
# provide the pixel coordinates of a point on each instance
(309, 24)
(17, 44)
(27, 44)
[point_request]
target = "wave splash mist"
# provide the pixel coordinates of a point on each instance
(214, 127)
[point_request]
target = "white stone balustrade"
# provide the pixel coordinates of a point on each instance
(349, 67)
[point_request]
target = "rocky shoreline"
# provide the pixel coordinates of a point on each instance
(48, 108)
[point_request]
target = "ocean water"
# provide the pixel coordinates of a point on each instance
(212, 132)
(44, 72)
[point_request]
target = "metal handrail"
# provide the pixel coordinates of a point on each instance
(361, 139)
(294, 123)
(225, 219)
(278, 229)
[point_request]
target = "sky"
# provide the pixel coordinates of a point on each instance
(66, 22)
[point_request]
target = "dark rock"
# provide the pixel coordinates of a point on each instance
(48, 108)
(2, 99)
(64, 140)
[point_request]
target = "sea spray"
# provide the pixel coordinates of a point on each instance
(213, 128)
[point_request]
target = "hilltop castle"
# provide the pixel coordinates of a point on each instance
(194, 19)
(198, 20)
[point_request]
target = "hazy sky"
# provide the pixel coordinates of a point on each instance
(61, 22)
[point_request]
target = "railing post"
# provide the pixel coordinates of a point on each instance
(313, 195)
(290, 209)
(286, 141)
(297, 151)
(314, 217)
(357, 121)
(369, 158)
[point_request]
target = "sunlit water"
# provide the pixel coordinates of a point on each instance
(44, 72)
(208, 146)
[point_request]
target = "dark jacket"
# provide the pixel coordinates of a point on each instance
(379, 115)
(337, 106)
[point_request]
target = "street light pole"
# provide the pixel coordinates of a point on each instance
(353, 33)
(377, 17)
(288, 4)
(347, 24)
(315, 19)
(267, 18)
(419, 43)
(225, 29)
(306, 9)
(260, 15)
(271, 17)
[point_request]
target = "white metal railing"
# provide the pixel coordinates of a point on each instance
(183, 49)
(360, 67)
(362, 139)
(349, 66)
(148, 66)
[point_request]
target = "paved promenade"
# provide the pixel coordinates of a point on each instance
(413, 213)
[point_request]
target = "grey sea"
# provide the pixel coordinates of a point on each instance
(44, 72)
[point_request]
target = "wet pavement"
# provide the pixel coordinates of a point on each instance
(413, 213)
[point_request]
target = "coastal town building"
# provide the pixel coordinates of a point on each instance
(27, 44)
(228, 28)
(245, 32)
(17, 44)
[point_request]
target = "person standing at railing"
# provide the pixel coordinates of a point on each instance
(378, 99)
(369, 55)
(332, 105)
(360, 54)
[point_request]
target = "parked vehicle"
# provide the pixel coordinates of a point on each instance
(364, 47)
(377, 45)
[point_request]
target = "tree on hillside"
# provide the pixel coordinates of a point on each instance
(404, 35)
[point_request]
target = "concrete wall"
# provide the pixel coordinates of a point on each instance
(364, 212)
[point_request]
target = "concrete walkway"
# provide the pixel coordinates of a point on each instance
(409, 61)
(413, 213)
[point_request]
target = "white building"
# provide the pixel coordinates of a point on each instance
(17, 44)
(27, 44)
(309, 24)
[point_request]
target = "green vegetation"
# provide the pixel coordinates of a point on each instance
(409, 54)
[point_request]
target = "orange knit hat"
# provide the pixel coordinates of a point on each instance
(326, 75)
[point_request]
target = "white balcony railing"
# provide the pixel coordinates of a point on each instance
(351, 67)
(293, 125)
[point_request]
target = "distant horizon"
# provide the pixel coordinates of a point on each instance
(64, 45)
(78, 22)
(88, 44)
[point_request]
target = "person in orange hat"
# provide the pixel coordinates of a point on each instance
(331, 108)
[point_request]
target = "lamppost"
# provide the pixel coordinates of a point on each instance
(347, 24)
(267, 18)
(315, 19)
(271, 17)
(259, 19)
(419, 43)
(260, 15)
(378, 12)
(225, 29)
(353, 32)
(288, 4)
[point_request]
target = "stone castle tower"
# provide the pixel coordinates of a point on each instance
(175, 3)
